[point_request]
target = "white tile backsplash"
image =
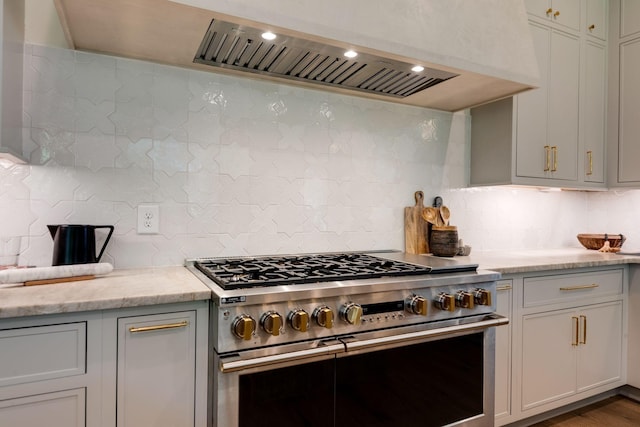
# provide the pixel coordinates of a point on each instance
(240, 166)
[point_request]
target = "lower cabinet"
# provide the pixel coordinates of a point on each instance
(503, 351)
(58, 409)
(143, 366)
(157, 370)
(567, 343)
(565, 352)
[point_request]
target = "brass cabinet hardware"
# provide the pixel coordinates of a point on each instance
(159, 327)
(590, 157)
(579, 287)
(556, 14)
(592, 27)
(554, 149)
(549, 11)
(584, 329)
(503, 288)
(574, 342)
(547, 156)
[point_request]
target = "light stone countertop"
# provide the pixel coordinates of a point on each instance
(165, 285)
(525, 261)
(118, 289)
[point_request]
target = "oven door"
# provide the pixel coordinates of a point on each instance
(423, 375)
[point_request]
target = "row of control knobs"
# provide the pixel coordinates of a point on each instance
(243, 326)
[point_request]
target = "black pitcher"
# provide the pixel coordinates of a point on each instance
(76, 244)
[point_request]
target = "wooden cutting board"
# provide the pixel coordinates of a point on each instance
(415, 227)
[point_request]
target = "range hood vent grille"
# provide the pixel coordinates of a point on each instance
(240, 47)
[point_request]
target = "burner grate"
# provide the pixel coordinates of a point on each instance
(237, 273)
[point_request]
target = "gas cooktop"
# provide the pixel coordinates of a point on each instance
(249, 272)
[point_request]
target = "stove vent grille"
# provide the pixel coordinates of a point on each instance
(242, 48)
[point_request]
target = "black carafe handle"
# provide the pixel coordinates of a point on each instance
(104, 245)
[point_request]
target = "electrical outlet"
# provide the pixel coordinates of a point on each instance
(148, 219)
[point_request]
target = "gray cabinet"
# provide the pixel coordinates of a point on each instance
(157, 370)
(11, 59)
(624, 94)
(142, 366)
(555, 135)
(504, 307)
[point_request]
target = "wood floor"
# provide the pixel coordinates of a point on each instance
(617, 411)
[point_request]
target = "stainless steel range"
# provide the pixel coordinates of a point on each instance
(337, 339)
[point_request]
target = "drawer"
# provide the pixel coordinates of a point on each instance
(42, 353)
(570, 287)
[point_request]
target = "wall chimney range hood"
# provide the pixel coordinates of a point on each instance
(463, 62)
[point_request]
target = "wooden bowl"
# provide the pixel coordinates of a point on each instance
(596, 241)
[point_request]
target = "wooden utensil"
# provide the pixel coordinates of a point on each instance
(430, 215)
(415, 227)
(445, 213)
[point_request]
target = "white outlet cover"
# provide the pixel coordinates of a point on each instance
(148, 219)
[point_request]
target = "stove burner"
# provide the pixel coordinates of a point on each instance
(237, 273)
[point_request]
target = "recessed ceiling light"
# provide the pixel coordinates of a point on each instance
(350, 54)
(268, 35)
(417, 68)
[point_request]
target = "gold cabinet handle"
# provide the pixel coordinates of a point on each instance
(574, 342)
(503, 288)
(592, 27)
(547, 156)
(159, 327)
(584, 329)
(556, 14)
(549, 11)
(590, 157)
(579, 287)
(554, 149)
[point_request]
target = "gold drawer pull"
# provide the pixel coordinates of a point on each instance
(590, 157)
(503, 288)
(159, 327)
(554, 149)
(579, 287)
(574, 342)
(547, 157)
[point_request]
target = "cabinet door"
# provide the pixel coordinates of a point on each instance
(600, 349)
(532, 120)
(564, 96)
(629, 120)
(548, 357)
(156, 370)
(503, 351)
(561, 12)
(59, 409)
(596, 24)
(547, 124)
(594, 107)
(629, 17)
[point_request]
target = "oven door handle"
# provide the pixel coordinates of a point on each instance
(242, 364)
(413, 337)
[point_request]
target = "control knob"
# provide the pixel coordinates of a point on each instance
(445, 302)
(243, 326)
(464, 299)
(351, 313)
(323, 316)
(482, 296)
(417, 305)
(299, 320)
(271, 322)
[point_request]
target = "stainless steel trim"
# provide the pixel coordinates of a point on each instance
(242, 364)
(414, 337)
(239, 47)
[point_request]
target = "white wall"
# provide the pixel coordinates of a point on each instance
(240, 166)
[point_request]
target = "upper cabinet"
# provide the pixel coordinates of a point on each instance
(554, 135)
(624, 94)
(562, 12)
(11, 59)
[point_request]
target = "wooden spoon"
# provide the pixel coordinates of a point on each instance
(430, 215)
(445, 213)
